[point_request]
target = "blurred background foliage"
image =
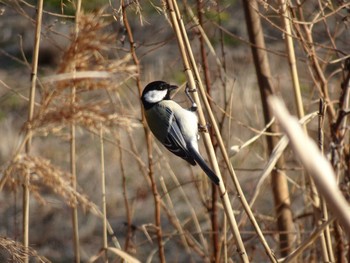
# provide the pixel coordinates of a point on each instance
(113, 104)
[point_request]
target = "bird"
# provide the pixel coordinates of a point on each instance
(174, 126)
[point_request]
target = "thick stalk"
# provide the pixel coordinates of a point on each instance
(181, 36)
(300, 113)
(291, 57)
(278, 180)
(28, 144)
(221, 144)
(318, 166)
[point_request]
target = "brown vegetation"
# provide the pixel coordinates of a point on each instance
(83, 166)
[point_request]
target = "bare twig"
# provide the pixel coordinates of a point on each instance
(148, 137)
(103, 192)
(279, 185)
(214, 193)
(30, 117)
(307, 242)
(185, 49)
(76, 242)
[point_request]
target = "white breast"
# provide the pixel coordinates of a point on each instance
(187, 120)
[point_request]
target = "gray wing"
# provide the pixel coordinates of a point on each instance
(175, 141)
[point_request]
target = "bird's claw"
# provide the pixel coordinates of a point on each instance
(188, 90)
(194, 106)
(203, 128)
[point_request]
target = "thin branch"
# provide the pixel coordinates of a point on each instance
(148, 138)
(30, 117)
(185, 50)
(103, 192)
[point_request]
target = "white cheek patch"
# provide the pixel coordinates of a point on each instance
(155, 96)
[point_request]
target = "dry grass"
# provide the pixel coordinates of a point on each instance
(44, 175)
(99, 65)
(11, 250)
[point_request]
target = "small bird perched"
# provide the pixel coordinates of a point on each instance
(175, 127)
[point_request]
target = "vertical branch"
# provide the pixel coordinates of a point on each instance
(223, 53)
(221, 144)
(300, 111)
(325, 251)
(339, 245)
(307, 41)
(175, 219)
(76, 243)
(296, 87)
(338, 132)
(214, 196)
(325, 236)
(74, 185)
(222, 68)
(318, 166)
(28, 144)
(125, 196)
(279, 181)
(291, 57)
(184, 47)
(195, 219)
(103, 190)
(148, 138)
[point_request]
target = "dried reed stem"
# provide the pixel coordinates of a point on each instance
(309, 47)
(117, 251)
(307, 242)
(273, 158)
(279, 182)
(225, 155)
(318, 166)
(291, 57)
(125, 195)
(103, 191)
(214, 193)
(184, 47)
(326, 241)
(29, 131)
(76, 242)
(195, 219)
(227, 160)
(176, 220)
(148, 136)
(300, 110)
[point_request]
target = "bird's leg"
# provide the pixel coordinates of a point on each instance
(194, 106)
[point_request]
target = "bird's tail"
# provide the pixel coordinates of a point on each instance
(199, 160)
